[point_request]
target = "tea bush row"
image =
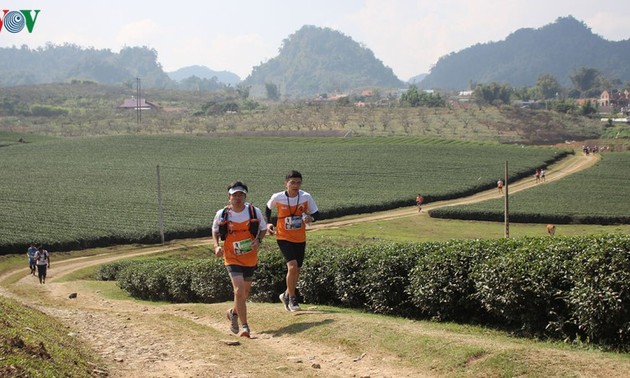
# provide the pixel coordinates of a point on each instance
(175, 281)
(573, 289)
(204, 280)
(533, 216)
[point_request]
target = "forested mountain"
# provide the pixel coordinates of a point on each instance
(317, 60)
(204, 72)
(61, 63)
(416, 79)
(557, 49)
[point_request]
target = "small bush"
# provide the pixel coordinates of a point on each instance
(209, 281)
(142, 280)
(386, 277)
(178, 282)
(349, 279)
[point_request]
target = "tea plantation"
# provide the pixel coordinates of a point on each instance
(77, 193)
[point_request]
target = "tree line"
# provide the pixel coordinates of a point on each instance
(587, 83)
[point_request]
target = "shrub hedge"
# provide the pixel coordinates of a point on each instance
(525, 287)
(317, 277)
(574, 289)
(175, 281)
(440, 284)
(600, 297)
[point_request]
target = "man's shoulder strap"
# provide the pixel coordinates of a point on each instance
(252, 212)
(224, 214)
(254, 222)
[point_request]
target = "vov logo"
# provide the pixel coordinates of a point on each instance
(14, 21)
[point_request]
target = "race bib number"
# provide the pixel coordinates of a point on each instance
(242, 247)
(293, 223)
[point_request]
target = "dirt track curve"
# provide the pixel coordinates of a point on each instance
(557, 171)
(147, 340)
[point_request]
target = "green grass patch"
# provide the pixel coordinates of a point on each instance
(33, 344)
(444, 349)
(422, 228)
(109, 290)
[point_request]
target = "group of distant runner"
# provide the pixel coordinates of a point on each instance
(38, 261)
(594, 149)
(539, 176)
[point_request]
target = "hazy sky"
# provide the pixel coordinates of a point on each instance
(236, 35)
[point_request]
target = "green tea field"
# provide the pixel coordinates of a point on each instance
(73, 193)
(598, 195)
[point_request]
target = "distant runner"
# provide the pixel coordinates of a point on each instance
(42, 258)
(31, 258)
(419, 200)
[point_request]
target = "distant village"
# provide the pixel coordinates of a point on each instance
(606, 103)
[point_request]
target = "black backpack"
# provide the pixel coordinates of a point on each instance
(254, 222)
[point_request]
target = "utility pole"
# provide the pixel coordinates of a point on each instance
(160, 211)
(506, 209)
(138, 102)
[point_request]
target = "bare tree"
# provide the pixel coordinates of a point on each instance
(405, 121)
(386, 119)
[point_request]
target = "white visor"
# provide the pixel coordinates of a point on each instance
(237, 189)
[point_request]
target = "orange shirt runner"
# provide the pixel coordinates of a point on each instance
(290, 225)
(237, 247)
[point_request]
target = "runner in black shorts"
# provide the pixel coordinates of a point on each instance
(296, 208)
(292, 251)
(241, 227)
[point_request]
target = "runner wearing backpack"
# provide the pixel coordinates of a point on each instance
(240, 227)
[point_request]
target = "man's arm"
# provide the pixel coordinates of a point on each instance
(270, 226)
(218, 250)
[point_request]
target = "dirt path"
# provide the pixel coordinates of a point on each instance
(138, 339)
(557, 171)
